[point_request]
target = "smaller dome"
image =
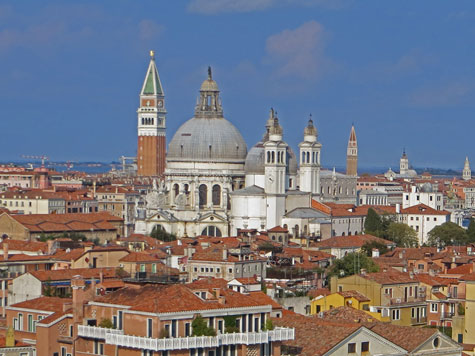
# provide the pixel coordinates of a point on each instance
(255, 160)
(276, 129)
(426, 188)
(209, 84)
(310, 130)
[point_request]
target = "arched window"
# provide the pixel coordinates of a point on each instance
(273, 156)
(280, 238)
(303, 157)
(308, 157)
(176, 190)
(142, 120)
(268, 157)
(186, 188)
(296, 229)
(211, 231)
(216, 194)
(203, 195)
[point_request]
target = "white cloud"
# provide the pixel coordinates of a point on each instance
(449, 94)
(217, 6)
(211, 7)
(149, 29)
(297, 52)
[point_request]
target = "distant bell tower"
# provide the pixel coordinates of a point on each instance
(403, 163)
(151, 124)
(467, 171)
(352, 154)
(310, 160)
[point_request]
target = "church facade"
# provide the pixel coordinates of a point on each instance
(213, 186)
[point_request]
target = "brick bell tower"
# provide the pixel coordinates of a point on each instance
(151, 124)
(352, 154)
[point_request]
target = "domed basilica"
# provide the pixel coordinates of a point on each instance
(213, 186)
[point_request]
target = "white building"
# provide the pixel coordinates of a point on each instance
(271, 179)
(423, 219)
(424, 194)
(205, 163)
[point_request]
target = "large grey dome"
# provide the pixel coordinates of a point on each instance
(255, 160)
(207, 139)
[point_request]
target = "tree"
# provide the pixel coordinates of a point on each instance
(370, 245)
(403, 235)
(106, 323)
(351, 264)
(471, 231)
(48, 290)
(160, 234)
(269, 325)
(373, 223)
(230, 324)
(447, 234)
(200, 328)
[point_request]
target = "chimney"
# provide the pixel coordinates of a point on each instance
(375, 253)
(78, 285)
(221, 300)
(50, 244)
(10, 337)
(5, 251)
(363, 271)
(101, 277)
(93, 286)
(398, 208)
(94, 189)
(225, 254)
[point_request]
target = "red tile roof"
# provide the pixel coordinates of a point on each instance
(389, 277)
(422, 209)
(68, 274)
(352, 241)
(49, 304)
(278, 229)
(67, 222)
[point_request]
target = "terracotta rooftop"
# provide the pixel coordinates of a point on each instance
(354, 294)
(68, 274)
(422, 209)
(389, 277)
(22, 245)
(352, 241)
(67, 222)
(178, 297)
(142, 257)
(278, 229)
(49, 304)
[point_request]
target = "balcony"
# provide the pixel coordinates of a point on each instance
(410, 300)
(420, 320)
(182, 343)
(446, 315)
(96, 332)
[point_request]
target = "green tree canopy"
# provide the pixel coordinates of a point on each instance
(403, 235)
(200, 328)
(370, 245)
(447, 234)
(373, 223)
(160, 234)
(471, 231)
(351, 264)
(376, 224)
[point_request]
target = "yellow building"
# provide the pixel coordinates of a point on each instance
(350, 298)
(463, 325)
(392, 294)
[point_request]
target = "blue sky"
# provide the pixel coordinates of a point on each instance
(402, 71)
